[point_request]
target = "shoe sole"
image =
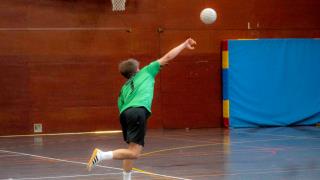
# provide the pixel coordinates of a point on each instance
(90, 164)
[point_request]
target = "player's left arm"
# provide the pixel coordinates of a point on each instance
(188, 44)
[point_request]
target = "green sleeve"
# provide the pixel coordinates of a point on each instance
(153, 68)
(120, 101)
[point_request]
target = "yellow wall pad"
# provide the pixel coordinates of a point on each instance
(226, 106)
(225, 59)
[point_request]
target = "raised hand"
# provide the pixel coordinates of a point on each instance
(190, 43)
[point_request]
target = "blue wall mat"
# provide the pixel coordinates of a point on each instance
(274, 82)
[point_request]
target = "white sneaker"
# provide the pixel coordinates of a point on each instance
(95, 159)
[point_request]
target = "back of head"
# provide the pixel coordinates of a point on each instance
(128, 68)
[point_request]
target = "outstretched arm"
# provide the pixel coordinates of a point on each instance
(189, 44)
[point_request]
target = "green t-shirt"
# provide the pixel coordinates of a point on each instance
(138, 90)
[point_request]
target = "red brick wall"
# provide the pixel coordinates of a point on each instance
(68, 80)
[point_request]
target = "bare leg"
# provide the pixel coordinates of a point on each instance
(128, 155)
(127, 169)
(133, 152)
(128, 163)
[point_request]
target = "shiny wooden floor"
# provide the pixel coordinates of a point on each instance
(206, 154)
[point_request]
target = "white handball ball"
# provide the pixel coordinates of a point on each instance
(208, 16)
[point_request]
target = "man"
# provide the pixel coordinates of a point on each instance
(134, 104)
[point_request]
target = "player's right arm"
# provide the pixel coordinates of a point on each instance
(188, 44)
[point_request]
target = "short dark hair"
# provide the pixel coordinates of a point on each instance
(128, 68)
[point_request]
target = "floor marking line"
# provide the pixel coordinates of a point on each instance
(217, 153)
(58, 177)
(213, 144)
(178, 148)
(194, 134)
(66, 29)
(56, 159)
(82, 163)
(260, 172)
(63, 134)
(267, 134)
(180, 139)
(12, 155)
(155, 174)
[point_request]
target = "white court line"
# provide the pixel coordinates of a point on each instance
(12, 155)
(63, 134)
(59, 177)
(66, 29)
(55, 159)
(76, 162)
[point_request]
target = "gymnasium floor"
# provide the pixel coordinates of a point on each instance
(207, 154)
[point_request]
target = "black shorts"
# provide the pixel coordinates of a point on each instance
(134, 124)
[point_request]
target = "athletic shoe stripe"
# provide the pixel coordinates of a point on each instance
(95, 160)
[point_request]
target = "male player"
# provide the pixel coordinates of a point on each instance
(134, 104)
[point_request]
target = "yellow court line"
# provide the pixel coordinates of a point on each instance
(178, 148)
(212, 144)
(155, 174)
(63, 134)
(180, 139)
